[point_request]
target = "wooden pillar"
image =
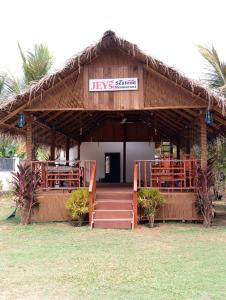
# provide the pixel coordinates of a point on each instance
(171, 149)
(29, 145)
(67, 150)
(124, 152)
(52, 145)
(188, 141)
(178, 148)
(78, 146)
(203, 142)
(124, 161)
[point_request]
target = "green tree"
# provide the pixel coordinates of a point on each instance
(215, 74)
(35, 64)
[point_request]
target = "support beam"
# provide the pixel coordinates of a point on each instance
(53, 144)
(67, 150)
(124, 152)
(203, 140)
(178, 148)
(29, 139)
(78, 145)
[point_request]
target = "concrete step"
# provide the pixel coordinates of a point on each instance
(113, 205)
(113, 223)
(113, 214)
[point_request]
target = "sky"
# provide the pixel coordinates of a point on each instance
(170, 30)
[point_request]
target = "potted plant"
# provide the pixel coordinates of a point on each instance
(149, 201)
(78, 205)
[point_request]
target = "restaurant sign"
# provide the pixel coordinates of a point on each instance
(113, 84)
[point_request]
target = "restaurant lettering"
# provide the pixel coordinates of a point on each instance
(113, 84)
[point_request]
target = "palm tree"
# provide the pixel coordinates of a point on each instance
(2, 82)
(215, 74)
(36, 64)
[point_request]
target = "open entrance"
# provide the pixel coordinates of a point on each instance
(112, 167)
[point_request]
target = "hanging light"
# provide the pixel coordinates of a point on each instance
(21, 120)
(209, 117)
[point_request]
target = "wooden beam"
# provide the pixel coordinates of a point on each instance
(124, 151)
(53, 144)
(29, 142)
(67, 150)
(203, 140)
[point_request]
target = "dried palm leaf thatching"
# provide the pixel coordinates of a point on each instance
(110, 40)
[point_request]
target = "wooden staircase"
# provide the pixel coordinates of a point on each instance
(113, 208)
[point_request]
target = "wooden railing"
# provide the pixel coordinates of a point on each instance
(63, 174)
(92, 190)
(135, 206)
(169, 175)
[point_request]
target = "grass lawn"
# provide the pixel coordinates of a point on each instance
(58, 261)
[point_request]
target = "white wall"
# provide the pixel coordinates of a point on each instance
(96, 151)
(6, 176)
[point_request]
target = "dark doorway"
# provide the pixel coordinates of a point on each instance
(112, 167)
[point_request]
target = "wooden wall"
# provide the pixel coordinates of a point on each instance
(154, 90)
(51, 207)
(179, 206)
(113, 131)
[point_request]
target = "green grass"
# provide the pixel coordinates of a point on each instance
(58, 261)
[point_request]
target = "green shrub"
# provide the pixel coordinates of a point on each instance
(149, 201)
(78, 204)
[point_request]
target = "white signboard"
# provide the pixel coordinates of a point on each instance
(113, 84)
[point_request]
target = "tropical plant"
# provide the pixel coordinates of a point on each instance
(36, 63)
(203, 181)
(215, 74)
(9, 147)
(149, 201)
(78, 205)
(1, 185)
(26, 182)
(217, 165)
(42, 153)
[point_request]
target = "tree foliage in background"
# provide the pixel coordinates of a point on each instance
(35, 64)
(9, 147)
(215, 74)
(217, 164)
(215, 77)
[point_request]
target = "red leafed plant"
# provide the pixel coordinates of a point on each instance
(26, 183)
(204, 180)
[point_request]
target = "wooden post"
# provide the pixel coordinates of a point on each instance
(52, 145)
(171, 149)
(78, 146)
(203, 141)
(124, 153)
(178, 148)
(124, 161)
(29, 139)
(188, 141)
(67, 150)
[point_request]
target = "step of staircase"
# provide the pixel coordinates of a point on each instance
(113, 223)
(113, 209)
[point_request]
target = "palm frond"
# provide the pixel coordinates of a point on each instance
(36, 63)
(215, 74)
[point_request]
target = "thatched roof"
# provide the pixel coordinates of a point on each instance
(109, 39)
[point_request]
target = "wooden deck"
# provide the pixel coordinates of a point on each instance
(115, 202)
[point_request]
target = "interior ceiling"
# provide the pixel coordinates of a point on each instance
(70, 123)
